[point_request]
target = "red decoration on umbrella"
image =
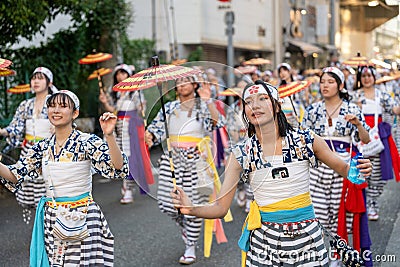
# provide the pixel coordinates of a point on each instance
(20, 89)
(95, 58)
(99, 72)
(155, 76)
(292, 88)
(6, 72)
(4, 63)
(152, 76)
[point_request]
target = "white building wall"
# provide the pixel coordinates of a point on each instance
(202, 22)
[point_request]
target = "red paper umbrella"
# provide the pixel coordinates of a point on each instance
(6, 72)
(4, 63)
(292, 88)
(236, 91)
(20, 89)
(95, 58)
(99, 72)
(152, 76)
(155, 76)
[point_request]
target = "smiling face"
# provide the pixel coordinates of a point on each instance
(39, 82)
(61, 110)
(367, 79)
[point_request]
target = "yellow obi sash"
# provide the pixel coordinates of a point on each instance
(293, 209)
(210, 225)
(33, 139)
(71, 204)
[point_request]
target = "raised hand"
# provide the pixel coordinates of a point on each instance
(107, 122)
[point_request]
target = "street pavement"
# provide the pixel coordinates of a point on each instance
(146, 237)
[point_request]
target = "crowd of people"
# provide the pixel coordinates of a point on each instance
(285, 160)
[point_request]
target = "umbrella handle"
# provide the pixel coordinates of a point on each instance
(171, 163)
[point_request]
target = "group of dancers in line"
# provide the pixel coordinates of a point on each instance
(292, 174)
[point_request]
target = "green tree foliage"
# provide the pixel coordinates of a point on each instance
(95, 25)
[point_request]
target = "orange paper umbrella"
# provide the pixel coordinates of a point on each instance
(385, 79)
(95, 58)
(4, 63)
(236, 91)
(257, 61)
(292, 88)
(179, 61)
(99, 72)
(20, 89)
(6, 72)
(357, 61)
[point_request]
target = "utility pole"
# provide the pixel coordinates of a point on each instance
(229, 20)
(333, 21)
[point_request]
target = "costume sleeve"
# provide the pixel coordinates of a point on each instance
(27, 167)
(357, 111)
(156, 127)
(99, 154)
(208, 123)
(16, 128)
(387, 102)
(306, 146)
(308, 120)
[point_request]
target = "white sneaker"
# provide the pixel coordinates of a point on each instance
(127, 198)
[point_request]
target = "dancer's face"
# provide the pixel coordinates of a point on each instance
(258, 109)
(61, 113)
(39, 82)
(121, 75)
(185, 87)
(367, 79)
(328, 85)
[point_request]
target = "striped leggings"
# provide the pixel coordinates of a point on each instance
(375, 184)
(186, 178)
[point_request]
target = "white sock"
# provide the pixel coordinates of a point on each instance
(190, 251)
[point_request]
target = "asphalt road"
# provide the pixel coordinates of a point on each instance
(146, 237)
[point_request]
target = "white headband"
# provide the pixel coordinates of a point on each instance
(73, 97)
(336, 71)
(123, 67)
(260, 89)
(45, 71)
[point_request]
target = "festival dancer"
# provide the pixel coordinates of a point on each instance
(281, 228)
(30, 124)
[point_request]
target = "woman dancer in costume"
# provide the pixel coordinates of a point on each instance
(130, 134)
(372, 100)
(281, 227)
(65, 159)
(30, 124)
(191, 119)
(336, 120)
